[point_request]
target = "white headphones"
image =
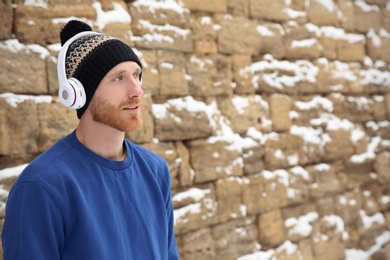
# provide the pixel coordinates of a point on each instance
(71, 91)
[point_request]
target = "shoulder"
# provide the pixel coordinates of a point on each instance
(147, 160)
(147, 155)
(52, 167)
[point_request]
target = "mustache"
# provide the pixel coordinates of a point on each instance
(132, 102)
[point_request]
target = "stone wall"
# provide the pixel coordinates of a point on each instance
(274, 116)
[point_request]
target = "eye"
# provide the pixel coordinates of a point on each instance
(118, 78)
(137, 75)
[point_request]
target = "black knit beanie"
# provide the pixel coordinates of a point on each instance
(91, 57)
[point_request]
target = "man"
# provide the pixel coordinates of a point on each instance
(94, 194)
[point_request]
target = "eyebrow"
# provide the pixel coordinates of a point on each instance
(124, 71)
(115, 74)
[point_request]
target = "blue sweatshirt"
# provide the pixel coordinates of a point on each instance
(70, 203)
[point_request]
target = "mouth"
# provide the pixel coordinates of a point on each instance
(131, 108)
(132, 105)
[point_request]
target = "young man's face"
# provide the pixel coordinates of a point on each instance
(117, 100)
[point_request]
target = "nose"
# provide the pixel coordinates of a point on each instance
(135, 90)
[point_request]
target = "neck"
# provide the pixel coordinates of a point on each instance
(101, 139)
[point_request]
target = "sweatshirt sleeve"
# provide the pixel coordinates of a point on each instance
(173, 253)
(34, 223)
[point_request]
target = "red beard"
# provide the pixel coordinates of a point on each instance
(113, 116)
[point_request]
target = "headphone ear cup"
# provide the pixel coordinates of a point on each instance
(72, 94)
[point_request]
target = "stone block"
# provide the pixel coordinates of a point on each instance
(68, 2)
(271, 228)
(380, 3)
(53, 84)
(385, 49)
(18, 121)
(269, 11)
(303, 49)
(37, 25)
(229, 193)
(209, 75)
(150, 74)
(23, 67)
(217, 6)
(171, 68)
(342, 77)
(197, 245)
(161, 27)
(354, 111)
(234, 238)
(300, 5)
(285, 150)
(300, 210)
(296, 32)
(347, 21)
(242, 78)
(238, 7)
(309, 108)
(184, 197)
(205, 35)
(247, 40)
(366, 17)
(325, 181)
(243, 112)
(382, 167)
(306, 249)
(186, 174)
(262, 195)
(328, 248)
(328, 47)
(373, 45)
(6, 14)
(379, 130)
(280, 107)
(55, 121)
(387, 99)
(360, 163)
(160, 14)
(200, 212)
(120, 30)
(370, 201)
(339, 145)
(385, 17)
(272, 35)
(349, 50)
(253, 159)
(301, 226)
(369, 239)
(323, 14)
(379, 108)
(181, 119)
(219, 162)
(348, 206)
(382, 198)
(273, 76)
(325, 206)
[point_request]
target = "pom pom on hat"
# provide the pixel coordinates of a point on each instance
(72, 28)
(91, 57)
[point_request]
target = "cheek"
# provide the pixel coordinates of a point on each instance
(107, 96)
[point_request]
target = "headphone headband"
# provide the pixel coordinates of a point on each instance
(61, 73)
